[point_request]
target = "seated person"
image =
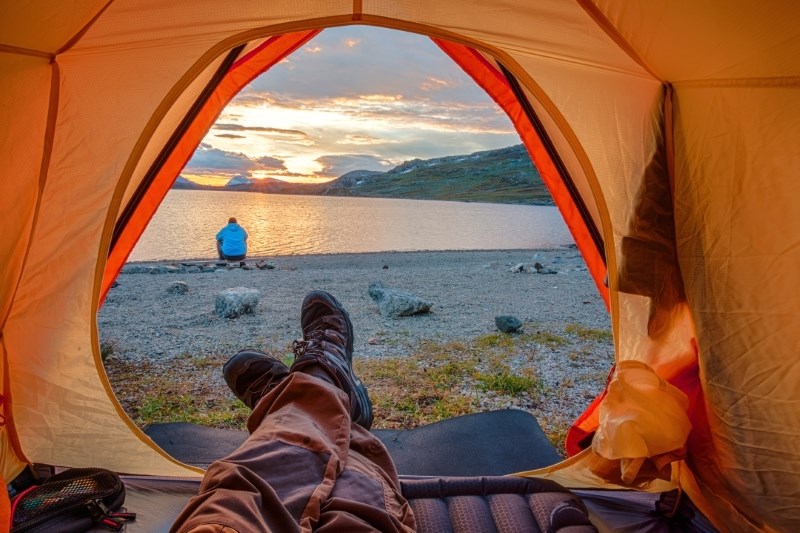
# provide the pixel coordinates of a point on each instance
(232, 241)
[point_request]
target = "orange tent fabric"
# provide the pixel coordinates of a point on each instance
(676, 123)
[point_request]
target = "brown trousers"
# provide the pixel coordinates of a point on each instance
(305, 467)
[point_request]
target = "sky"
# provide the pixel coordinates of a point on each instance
(352, 98)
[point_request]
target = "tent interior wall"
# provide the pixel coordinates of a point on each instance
(676, 123)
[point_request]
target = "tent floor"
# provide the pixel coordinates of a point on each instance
(482, 444)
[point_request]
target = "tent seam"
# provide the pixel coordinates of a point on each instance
(8, 412)
(18, 50)
(75, 38)
(47, 150)
(600, 18)
(766, 81)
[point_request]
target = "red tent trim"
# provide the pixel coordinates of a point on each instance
(160, 178)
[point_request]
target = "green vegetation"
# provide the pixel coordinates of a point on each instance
(589, 334)
(499, 176)
(192, 390)
(504, 176)
(505, 382)
(438, 380)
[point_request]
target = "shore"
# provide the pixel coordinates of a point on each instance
(140, 322)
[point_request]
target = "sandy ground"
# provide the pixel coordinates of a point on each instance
(142, 325)
(468, 289)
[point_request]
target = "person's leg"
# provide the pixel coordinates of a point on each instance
(279, 477)
(306, 464)
(219, 251)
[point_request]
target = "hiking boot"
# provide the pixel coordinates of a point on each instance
(251, 374)
(326, 351)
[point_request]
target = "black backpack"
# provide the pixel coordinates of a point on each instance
(74, 500)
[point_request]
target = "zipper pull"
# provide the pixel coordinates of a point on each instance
(101, 515)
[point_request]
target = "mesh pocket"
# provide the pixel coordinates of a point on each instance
(75, 492)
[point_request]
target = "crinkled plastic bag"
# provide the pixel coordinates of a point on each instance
(643, 426)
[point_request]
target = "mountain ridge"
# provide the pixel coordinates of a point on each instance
(504, 175)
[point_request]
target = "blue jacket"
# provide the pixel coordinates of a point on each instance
(234, 239)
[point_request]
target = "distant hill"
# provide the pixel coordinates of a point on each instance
(499, 176)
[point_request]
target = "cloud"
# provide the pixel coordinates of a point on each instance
(354, 57)
(357, 139)
(391, 93)
(206, 158)
(335, 165)
(210, 160)
(434, 84)
(399, 112)
(271, 163)
(264, 129)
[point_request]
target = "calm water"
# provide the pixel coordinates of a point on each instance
(185, 225)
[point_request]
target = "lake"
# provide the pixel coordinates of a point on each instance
(185, 225)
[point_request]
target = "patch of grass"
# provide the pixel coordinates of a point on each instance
(453, 405)
(546, 338)
(191, 391)
(450, 373)
(589, 334)
(205, 362)
(164, 407)
(507, 383)
(439, 380)
(495, 340)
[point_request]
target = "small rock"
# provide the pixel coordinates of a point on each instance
(541, 269)
(385, 267)
(115, 283)
(193, 269)
(178, 287)
(165, 269)
(373, 340)
(232, 303)
(507, 323)
(519, 267)
(137, 269)
(265, 265)
(397, 302)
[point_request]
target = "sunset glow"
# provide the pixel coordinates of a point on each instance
(353, 98)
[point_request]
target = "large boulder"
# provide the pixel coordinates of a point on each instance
(232, 303)
(397, 302)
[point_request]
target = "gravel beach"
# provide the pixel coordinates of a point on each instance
(141, 321)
